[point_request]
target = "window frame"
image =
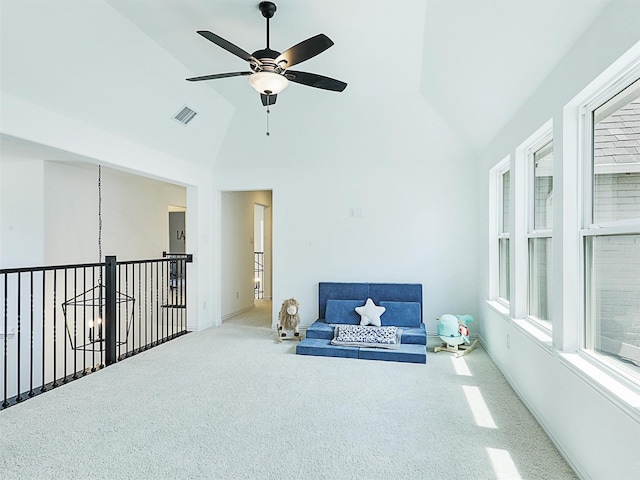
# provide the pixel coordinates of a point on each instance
(540, 139)
(497, 233)
(589, 230)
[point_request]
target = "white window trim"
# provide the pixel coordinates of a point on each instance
(495, 228)
(524, 224)
(577, 170)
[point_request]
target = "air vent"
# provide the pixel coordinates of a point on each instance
(185, 115)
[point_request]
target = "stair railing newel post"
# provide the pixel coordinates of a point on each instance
(110, 310)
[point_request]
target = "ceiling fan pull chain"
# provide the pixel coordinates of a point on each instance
(268, 112)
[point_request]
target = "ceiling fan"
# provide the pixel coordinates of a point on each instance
(270, 72)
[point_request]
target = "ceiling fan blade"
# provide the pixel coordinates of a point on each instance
(228, 46)
(218, 75)
(268, 99)
(315, 80)
(304, 50)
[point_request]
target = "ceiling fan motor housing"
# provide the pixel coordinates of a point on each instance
(266, 58)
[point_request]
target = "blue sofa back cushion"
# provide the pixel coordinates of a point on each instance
(343, 311)
(340, 291)
(401, 314)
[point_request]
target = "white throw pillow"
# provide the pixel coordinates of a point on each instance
(370, 313)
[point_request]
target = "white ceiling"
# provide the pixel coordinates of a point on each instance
(120, 65)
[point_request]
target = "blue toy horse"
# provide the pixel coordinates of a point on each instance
(453, 331)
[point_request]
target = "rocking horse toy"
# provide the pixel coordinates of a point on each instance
(289, 320)
(453, 331)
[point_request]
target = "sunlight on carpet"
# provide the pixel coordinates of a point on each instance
(478, 406)
(460, 366)
(503, 465)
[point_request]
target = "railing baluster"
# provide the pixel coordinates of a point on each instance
(31, 393)
(43, 387)
(93, 319)
(110, 309)
(126, 311)
(84, 323)
(158, 309)
(184, 294)
(101, 313)
(146, 305)
(19, 397)
(171, 310)
(75, 324)
(152, 316)
(133, 309)
(64, 370)
(162, 311)
(5, 403)
(55, 340)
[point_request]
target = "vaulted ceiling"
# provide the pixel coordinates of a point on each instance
(120, 65)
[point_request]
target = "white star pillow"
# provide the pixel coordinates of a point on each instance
(370, 313)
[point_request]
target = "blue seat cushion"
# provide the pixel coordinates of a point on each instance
(323, 330)
(320, 329)
(414, 336)
(406, 353)
(323, 348)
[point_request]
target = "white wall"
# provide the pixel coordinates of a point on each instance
(409, 178)
(50, 214)
(595, 430)
(135, 218)
(22, 241)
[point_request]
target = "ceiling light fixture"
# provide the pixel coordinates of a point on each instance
(268, 83)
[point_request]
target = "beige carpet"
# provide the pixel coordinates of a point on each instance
(232, 403)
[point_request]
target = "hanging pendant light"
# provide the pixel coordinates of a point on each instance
(88, 307)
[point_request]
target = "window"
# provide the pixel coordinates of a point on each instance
(611, 233)
(504, 215)
(540, 224)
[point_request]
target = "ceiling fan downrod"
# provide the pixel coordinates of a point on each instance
(268, 10)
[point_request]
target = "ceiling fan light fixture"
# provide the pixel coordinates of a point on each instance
(268, 83)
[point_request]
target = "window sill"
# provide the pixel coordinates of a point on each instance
(499, 308)
(528, 327)
(623, 396)
(540, 336)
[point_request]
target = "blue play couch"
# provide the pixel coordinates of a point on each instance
(336, 305)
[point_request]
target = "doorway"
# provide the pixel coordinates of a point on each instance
(177, 235)
(246, 218)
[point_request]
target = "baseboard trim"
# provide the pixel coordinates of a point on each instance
(238, 312)
(568, 457)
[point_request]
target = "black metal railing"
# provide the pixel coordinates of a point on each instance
(258, 281)
(59, 323)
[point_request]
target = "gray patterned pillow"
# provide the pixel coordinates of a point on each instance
(367, 336)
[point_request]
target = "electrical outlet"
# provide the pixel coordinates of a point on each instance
(508, 341)
(355, 212)
(237, 294)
